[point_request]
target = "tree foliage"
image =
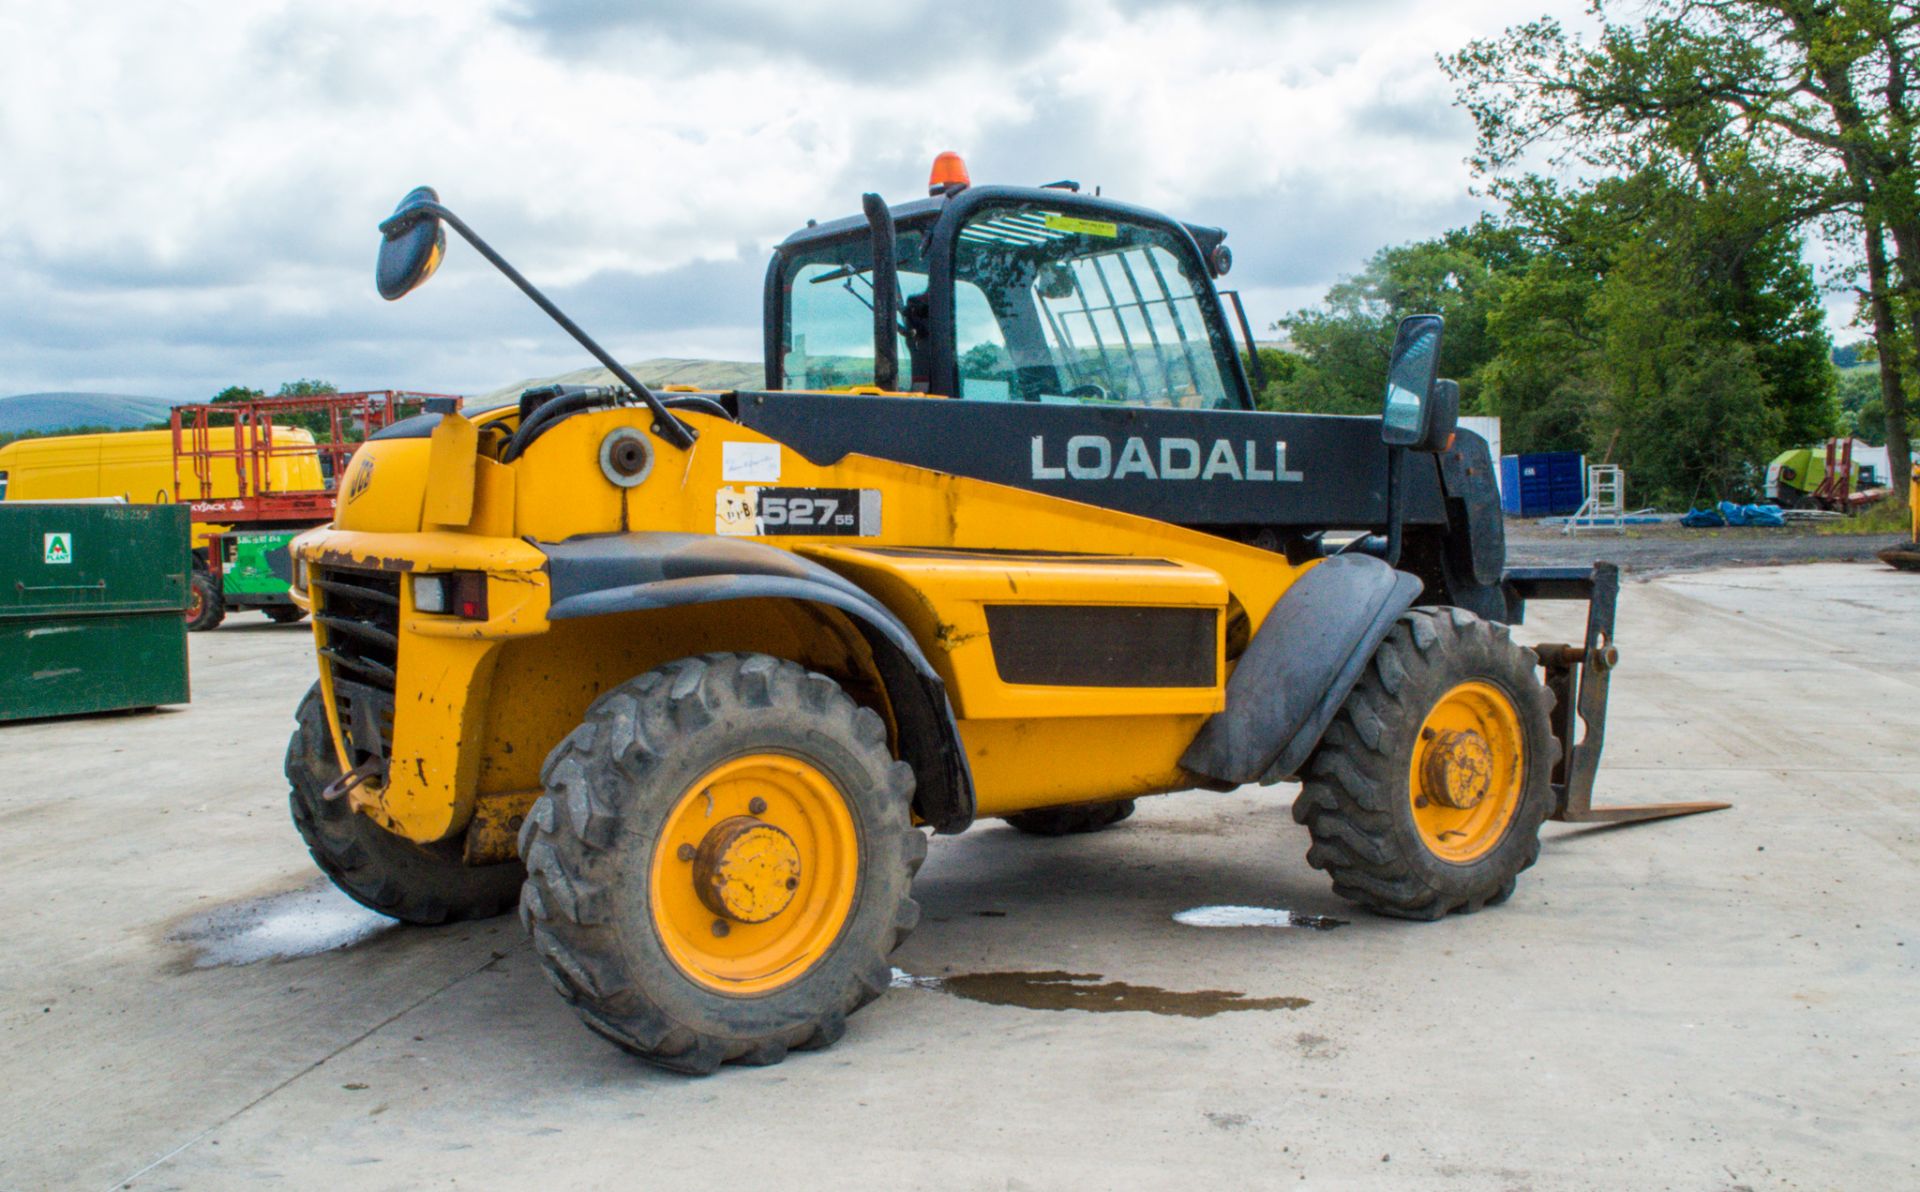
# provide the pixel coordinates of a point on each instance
(1669, 327)
(1807, 104)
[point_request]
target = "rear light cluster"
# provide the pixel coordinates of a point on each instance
(453, 593)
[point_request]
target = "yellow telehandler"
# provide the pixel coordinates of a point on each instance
(690, 676)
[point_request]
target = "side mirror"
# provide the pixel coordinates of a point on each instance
(1443, 418)
(1410, 375)
(411, 245)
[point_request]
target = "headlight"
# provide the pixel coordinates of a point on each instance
(455, 593)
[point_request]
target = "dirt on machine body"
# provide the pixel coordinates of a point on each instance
(690, 675)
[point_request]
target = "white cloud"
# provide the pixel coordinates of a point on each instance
(189, 190)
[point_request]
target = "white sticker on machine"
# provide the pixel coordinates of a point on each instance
(815, 512)
(750, 461)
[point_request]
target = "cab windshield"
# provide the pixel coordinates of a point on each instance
(1081, 309)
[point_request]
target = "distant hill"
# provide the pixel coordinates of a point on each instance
(711, 375)
(43, 413)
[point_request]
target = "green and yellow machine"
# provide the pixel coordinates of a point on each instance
(690, 677)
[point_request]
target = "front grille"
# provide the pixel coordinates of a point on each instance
(359, 616)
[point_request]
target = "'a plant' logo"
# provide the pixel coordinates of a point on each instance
(59, 548)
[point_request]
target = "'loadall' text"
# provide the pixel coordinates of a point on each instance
(1092, 457)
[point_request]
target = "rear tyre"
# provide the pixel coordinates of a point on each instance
(722, 862)
(414, 883)
(1072, 821)
(284, 614)
(204, 608)
(1427, 793)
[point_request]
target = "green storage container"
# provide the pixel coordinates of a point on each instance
(93, 597)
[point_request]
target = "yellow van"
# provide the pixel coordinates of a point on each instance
(138, 465)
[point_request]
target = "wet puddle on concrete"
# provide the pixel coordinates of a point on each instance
(1053, 990)
(303, 922)
(1254, 916)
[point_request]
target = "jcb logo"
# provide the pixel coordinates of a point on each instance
(362, 478)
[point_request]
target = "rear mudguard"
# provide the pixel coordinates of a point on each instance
(1298, 669)
(615, 573)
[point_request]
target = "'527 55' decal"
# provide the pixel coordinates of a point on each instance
(754, 512)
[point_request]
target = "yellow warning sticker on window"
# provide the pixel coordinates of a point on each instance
(1085, 227)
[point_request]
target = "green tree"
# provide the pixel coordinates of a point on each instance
(1685, 403)
(1343, 347)
(1655, 323)
(318, 422)
(1662, 322)
(1815, 95)
(306, 388)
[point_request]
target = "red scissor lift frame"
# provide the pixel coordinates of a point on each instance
(351, 418)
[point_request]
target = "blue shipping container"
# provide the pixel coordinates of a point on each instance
(1543, 484)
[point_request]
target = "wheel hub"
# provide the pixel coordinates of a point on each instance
(746, 870)
(754, 874)
(1458, 771)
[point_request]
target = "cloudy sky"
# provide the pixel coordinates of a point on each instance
(188, 191)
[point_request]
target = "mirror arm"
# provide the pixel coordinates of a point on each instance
(665, 424)
(1396, 501)
(886, 293)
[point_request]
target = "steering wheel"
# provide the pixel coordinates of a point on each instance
(1091, 391)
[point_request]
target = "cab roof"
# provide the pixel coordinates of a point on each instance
(928, 209)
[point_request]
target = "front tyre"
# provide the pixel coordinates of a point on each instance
(414, 883)
(1427, 793)
(722, 862)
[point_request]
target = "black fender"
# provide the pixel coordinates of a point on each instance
(596, 575)
(1461, 561)
(1298, 669)
(1476, 526)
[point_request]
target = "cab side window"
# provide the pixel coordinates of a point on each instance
(827, 341)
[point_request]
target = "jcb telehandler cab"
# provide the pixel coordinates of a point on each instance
(1003, 536)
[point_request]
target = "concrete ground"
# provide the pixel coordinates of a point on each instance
(1721, 1002)
(1654, 550)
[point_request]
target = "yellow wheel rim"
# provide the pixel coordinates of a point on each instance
(1467, 770)
(753, 877)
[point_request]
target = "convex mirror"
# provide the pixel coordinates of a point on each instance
(1411, 371)
(412, 244)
